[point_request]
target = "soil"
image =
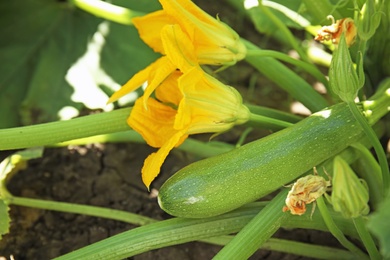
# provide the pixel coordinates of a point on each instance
(108, 175)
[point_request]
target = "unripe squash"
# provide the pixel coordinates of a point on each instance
(225, 182)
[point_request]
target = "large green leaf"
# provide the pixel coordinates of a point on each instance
(40, 41)
(43, 39)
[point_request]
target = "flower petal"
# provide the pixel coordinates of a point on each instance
(161, 72)
(149, 27)
(138, 79)
(178, 47)
(168, 92)
(208, 105)
(155, 124)
(185, 13)
(153, 162)
(214, 42)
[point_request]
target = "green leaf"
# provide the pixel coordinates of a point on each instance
(4, 219)
(124, 53)
(40, 41)
(9, 166)
(379, 225)
(283, 11)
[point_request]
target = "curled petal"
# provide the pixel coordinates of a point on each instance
(208, 105)
(214, 42)
(168, 92)
(155, 124)
(191, 17)
(149, 27)
(142, 76)
(154, 161)
(178, 47)
(159, 75)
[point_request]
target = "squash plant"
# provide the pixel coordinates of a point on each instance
(215, 197)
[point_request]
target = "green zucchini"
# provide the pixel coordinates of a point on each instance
(225, 182)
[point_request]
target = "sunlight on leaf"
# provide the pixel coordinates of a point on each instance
(86, 75)
(41, 40)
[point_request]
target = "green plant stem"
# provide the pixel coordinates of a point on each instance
(257, 231)
(161, 234)
(190, 145)
(115, 121)
(308, 67)
(308, 250)
(366, 238)
(101, 212)
(243, 136)
(247, 211)
(109, 127)
(292, 247)
(286, 79)
(283, 28)
(107, 11)
(179, 230)
(267, 122)
(60, 131)
(273, 113)
(375, 142)
(336, 232)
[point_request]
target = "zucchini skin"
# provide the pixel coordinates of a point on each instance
(225, 182)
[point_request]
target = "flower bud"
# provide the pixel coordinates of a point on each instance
(350, 194)
(344, 81)
(369, 20)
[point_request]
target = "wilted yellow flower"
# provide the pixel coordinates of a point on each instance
(333, 32)
(184, 104)
(304, 191)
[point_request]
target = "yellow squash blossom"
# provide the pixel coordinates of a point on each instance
(184, 104)
(182, 29)
(214, 42)
(186, 100)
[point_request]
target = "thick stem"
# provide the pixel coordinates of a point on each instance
(375, 143)
(60, 131)
(107, 11)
